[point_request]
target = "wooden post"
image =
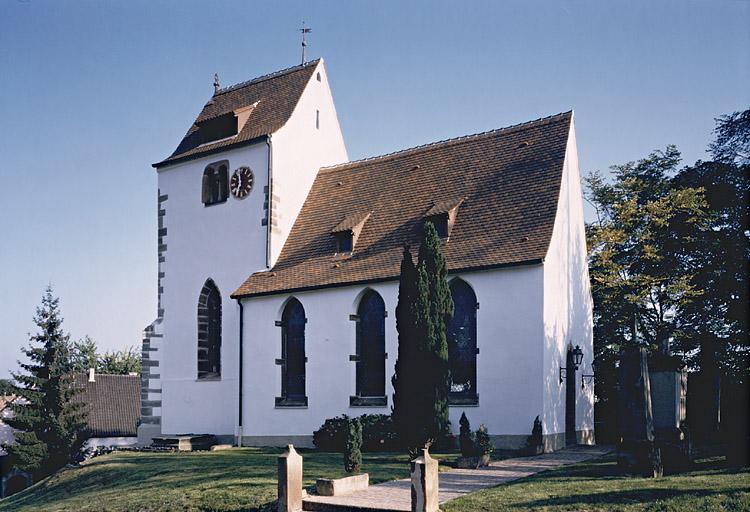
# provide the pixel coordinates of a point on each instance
(424, 483)
(290, 481)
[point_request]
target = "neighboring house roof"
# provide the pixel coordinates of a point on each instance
(270, 100)
(114, 403)
(505, 184)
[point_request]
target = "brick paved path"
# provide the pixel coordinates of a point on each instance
(396, 494)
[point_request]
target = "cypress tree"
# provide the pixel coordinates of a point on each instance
(422, 379)
(435, 313)
(50, 427)
(405, 402)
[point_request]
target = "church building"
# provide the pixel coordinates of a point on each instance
(279, 262)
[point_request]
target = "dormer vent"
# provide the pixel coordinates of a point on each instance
(443, 215)
(347, 232)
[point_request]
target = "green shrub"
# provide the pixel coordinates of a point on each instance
(466, 437)
(536, 439)
(353, 451)
(484, 445)
(378, 434)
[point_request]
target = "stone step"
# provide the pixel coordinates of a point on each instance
(314, 506)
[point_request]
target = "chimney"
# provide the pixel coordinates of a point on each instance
(91, 375)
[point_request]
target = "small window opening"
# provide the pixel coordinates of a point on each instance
(317, 119)
(441, 224)
(317, 77)
(344, 241)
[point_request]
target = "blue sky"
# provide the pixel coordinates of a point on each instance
(92, 93)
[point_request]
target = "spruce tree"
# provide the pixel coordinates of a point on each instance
(50, 426)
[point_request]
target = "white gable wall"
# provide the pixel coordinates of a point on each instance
(299, 150)
(568, 304)
(509, 366)
(223, 242)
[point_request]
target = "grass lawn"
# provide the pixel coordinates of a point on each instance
(598, 485)
(231, 480)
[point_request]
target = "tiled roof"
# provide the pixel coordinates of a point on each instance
(507, 182)
(274, 98)
(114, 403)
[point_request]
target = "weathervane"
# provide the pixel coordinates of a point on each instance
(304, 30)
(216, 83)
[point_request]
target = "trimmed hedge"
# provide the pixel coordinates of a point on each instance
(378, 434)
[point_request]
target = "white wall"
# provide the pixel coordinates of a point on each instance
(299, 150)
(567, 302)
(509, 332)
(225, 242)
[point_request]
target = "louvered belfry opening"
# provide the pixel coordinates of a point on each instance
(371, 346)
(215, 186)
(209, 332)
(462, 344)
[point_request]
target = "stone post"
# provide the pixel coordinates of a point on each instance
(290, 481)
(424, 483)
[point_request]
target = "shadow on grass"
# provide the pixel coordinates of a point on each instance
(628, 497)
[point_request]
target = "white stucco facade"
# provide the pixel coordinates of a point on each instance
(527, 316)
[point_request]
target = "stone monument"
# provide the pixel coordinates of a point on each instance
(424, 483)
(290, 481)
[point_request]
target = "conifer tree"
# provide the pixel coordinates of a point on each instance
(422, 380)
(405, 404)
(435, 313)
(50, 426)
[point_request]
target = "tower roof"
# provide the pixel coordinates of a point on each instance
(242, 113)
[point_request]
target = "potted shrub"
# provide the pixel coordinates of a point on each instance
(535, 442)
(468, 457)
(484, 446)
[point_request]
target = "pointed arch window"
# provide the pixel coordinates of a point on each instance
(370, 357)
(462, 345)
(209, 332)
(293, 361)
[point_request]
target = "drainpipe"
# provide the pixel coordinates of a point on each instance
(269, 143)
(239, 404)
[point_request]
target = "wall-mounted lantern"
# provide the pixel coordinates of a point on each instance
(577, 358)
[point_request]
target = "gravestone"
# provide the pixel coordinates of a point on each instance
(668, 380)
(424, 483)
(290, 481)
(637, 450)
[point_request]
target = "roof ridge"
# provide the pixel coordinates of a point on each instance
(445, 142)
(265, 77)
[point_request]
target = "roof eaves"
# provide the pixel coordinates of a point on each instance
(478, 268)
(218, 149)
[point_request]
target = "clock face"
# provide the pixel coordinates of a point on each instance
(242, 182)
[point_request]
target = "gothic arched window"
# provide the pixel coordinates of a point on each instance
(462, 344)
(370, 355)
(209, 331)
(215, 187)
(293, 360)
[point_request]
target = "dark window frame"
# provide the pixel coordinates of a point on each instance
(215, 185)
(293, 356)
(209, 332)
(464, 323)
(370, 354)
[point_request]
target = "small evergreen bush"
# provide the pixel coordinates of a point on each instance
(353, 452)
(484, 445)
(535, 439)
(466, 437)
